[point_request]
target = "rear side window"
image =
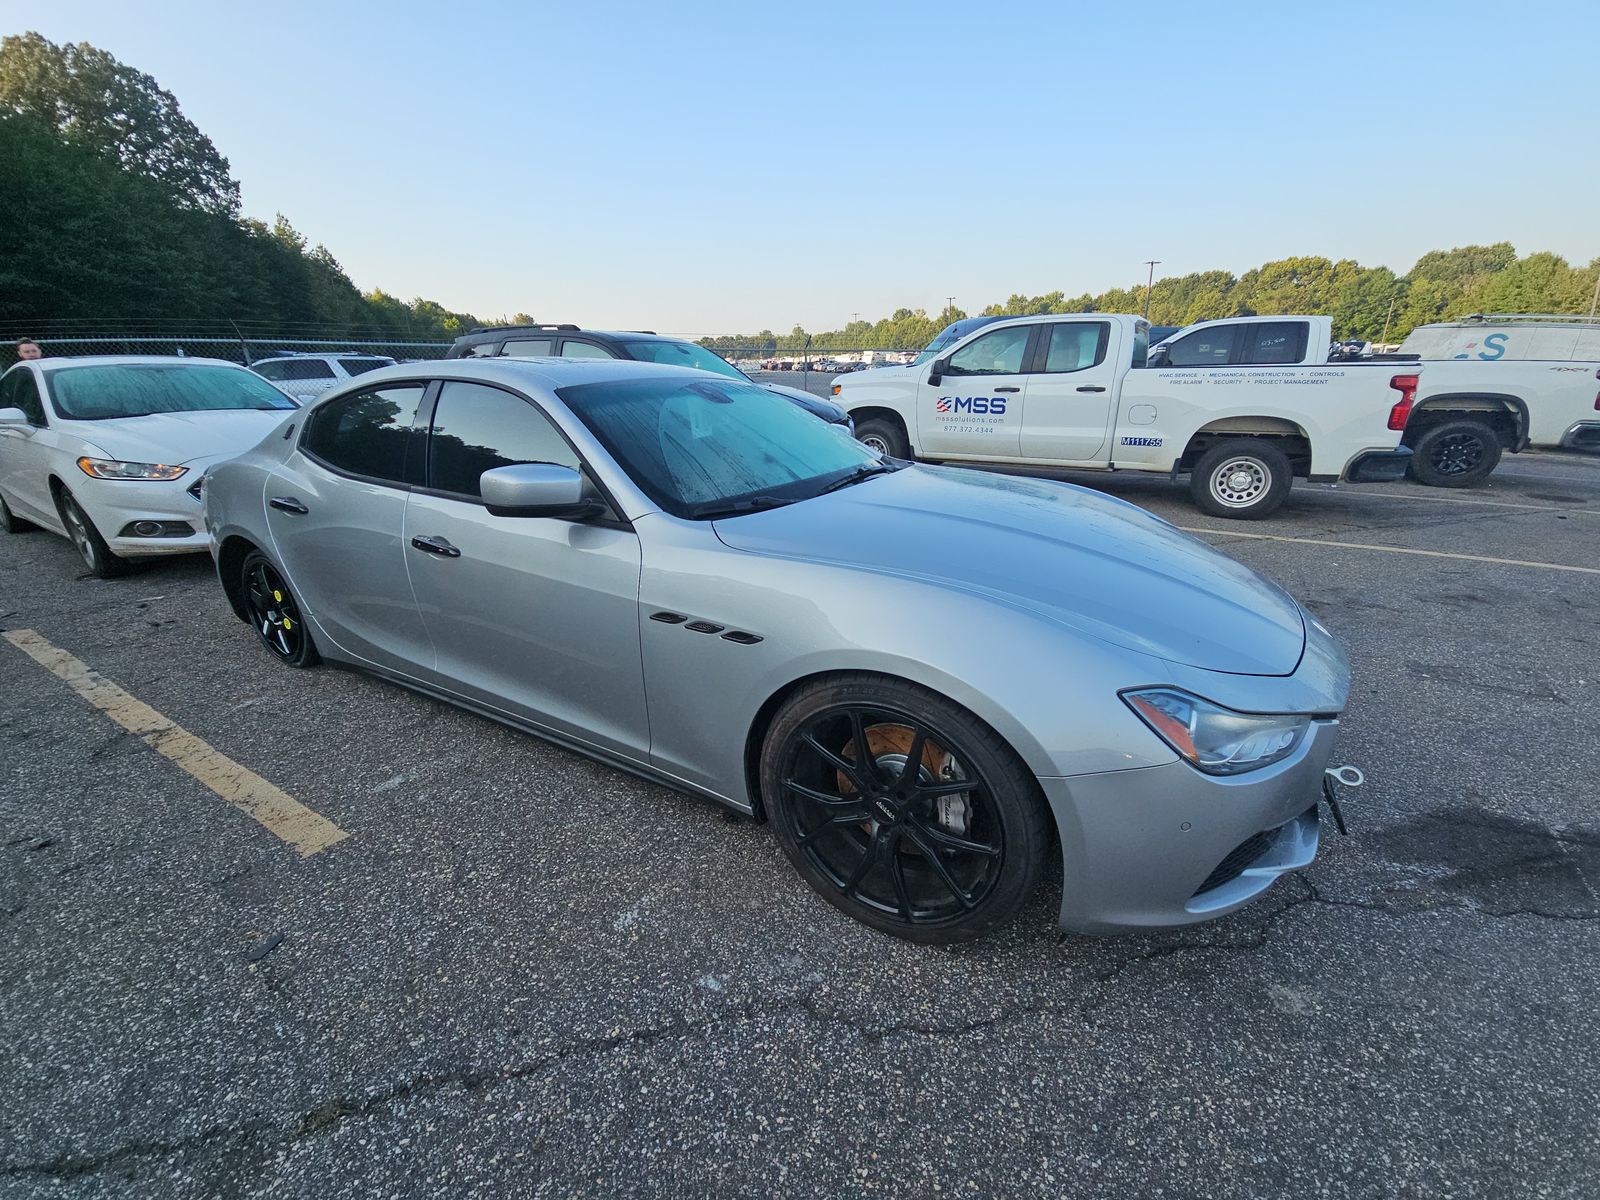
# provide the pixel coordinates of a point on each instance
(529, 348)
(365, 434)
(1204, 347)
(478, 428)
(360, 366)
(1277, 342)
(483, 349)
(576, 349)
(19, 389)
(1076, 347)
(997, 353)
(295, 368)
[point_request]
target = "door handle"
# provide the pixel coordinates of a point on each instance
(1008, 389)
(436, 545)
(288, 504)
(1090, 387)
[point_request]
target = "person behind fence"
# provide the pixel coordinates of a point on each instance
(28, 350)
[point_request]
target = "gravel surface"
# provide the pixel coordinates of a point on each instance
(524, 973)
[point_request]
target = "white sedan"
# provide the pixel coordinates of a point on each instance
(109, 452)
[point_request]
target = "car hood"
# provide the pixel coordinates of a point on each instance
(182, 437)
(1099, 565)
(815, 405)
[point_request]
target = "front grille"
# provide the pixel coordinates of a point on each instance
(1239, 858)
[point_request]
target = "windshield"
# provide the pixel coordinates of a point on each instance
(946, 337)
(710, 449)
(139, 389)
(683, 354)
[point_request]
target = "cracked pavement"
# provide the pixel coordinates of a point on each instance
(527, 974)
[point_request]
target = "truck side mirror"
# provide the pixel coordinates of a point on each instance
(936, 372)
(1157, 357)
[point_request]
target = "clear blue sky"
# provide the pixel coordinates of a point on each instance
(706, 168)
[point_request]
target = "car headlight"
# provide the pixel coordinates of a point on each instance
(1214, 739)
(110, 468)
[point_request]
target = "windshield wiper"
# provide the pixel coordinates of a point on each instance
(857, 476)
(746, 504)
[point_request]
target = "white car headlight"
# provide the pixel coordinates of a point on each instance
(1214, 739)
(109, 468)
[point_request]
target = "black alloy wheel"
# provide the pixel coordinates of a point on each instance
(1455, 454)
(274, 613)
(903, 810)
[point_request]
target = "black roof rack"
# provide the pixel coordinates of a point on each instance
(509, 328)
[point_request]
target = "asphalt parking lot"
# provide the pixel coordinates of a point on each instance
(524, 973)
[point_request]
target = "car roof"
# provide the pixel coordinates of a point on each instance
(132, 360)
(302, 355)
(551, 373)
(504, 331)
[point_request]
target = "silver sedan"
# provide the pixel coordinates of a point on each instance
(927, 680)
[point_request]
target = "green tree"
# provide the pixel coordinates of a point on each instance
(92, 100)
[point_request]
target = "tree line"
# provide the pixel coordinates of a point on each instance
(121, 213)
(1369, 303)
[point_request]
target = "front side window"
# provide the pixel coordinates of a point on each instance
(141, 389)
(365, 434)
(997, 353)
(360, 366)
(269, 370)
(707, 448)
(1076, 346)
(1278, 342)
(529, 348)
(682, 354)
(295, 368)
(1204, 347)
(19, 390)
(478, 428)
(576, 349)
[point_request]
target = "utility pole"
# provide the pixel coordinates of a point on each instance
(949, 303)
(1150, 281)
(1595, 303)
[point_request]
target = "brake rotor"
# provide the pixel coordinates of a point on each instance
(890, 746)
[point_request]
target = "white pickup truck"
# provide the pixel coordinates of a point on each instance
(1072, 390)
(1492, 383)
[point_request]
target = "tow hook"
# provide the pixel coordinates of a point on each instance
(1350, 777)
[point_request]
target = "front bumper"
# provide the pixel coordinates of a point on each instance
(1379, 466)
(115, 505)
(1155, 847)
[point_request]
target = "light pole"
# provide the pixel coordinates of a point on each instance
(949, 303)
(1149, 283)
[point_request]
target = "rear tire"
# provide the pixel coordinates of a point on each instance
(275, 613)
(10, 522)
(884, 436)
(91, 546)
(1243, 479)
(1455, 454)
(939, 839)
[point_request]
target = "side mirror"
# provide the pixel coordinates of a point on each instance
(1157, 357)
(13, 416)
(537, 490)
(936, 372)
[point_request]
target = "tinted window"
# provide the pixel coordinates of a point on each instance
(997, 353)
(1278, 342)
(1204, 347)
(20, 390)
(269, 370)
(683, 354)
(573, 349)
(529, 348)
(1077, 346)
(367, 433)
(360, 366)
(295, 368)
(478, 428)
(484, 349)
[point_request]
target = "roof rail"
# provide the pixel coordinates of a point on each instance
(1535, 318)
(651, 332)
(509, 328)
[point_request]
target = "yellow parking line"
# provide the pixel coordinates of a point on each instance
(305, 830)
(1504, 562)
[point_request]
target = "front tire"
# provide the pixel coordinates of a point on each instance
(902, 809)
(275, 613)
(91, 546)
(1243, 479)
(884, 436)
(1455, 454)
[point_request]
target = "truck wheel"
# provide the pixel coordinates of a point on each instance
(1244, 479)
(884, 436)
(1455, 454)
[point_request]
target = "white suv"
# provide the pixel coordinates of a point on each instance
(306, 376)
